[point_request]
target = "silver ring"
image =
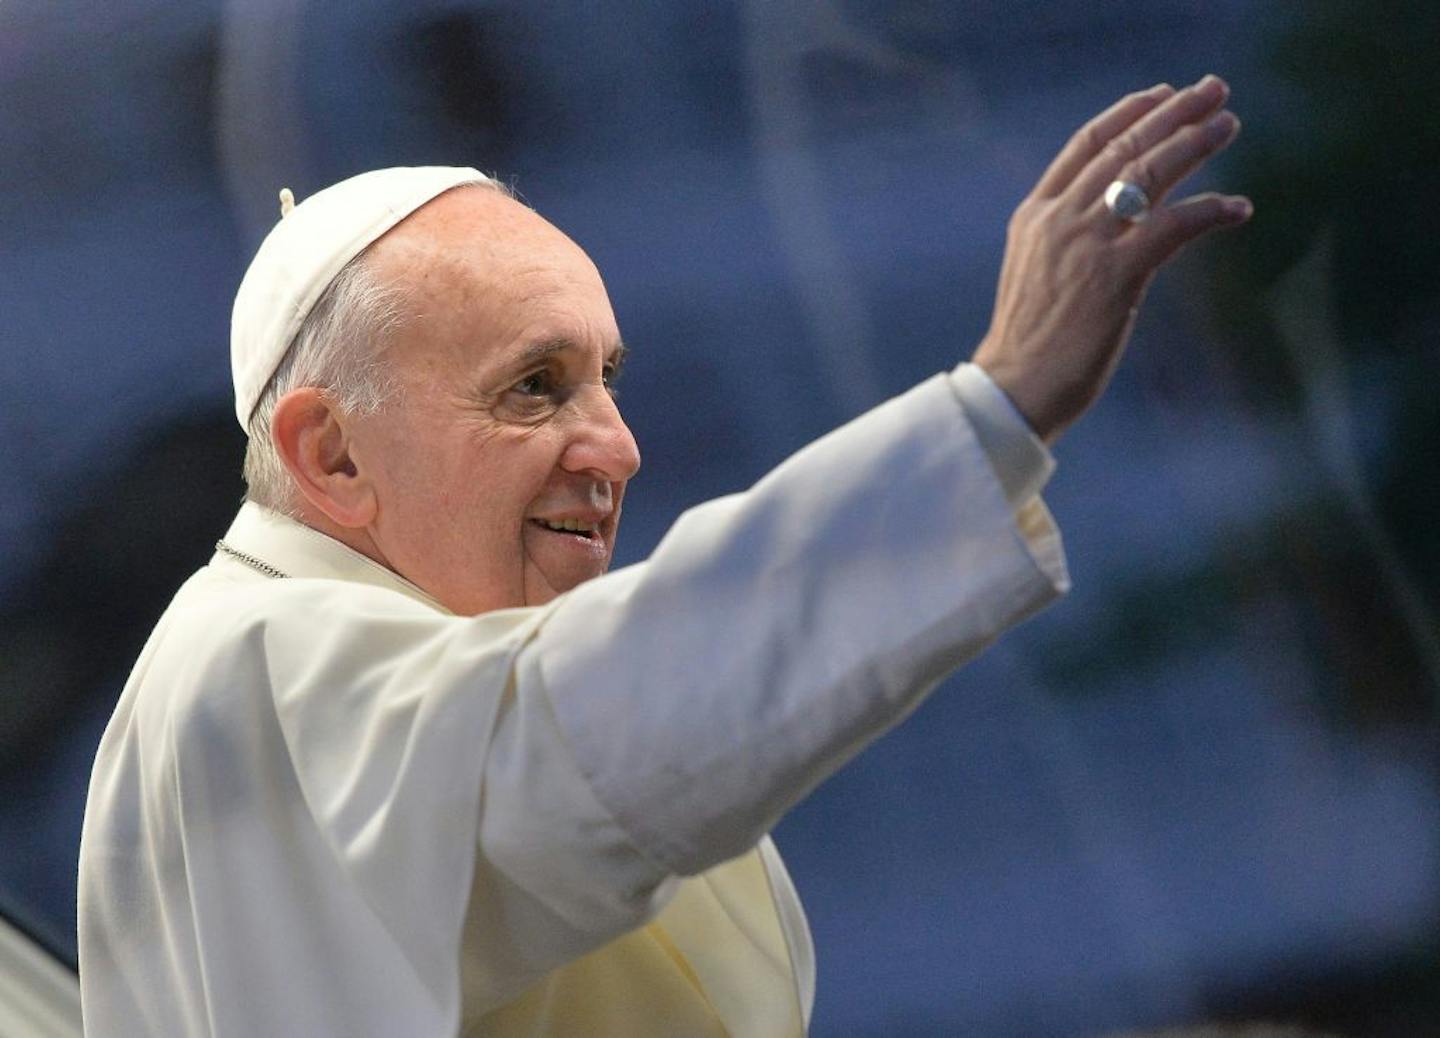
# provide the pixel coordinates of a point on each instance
(1127, 200)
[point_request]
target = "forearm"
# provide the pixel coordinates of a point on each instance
(775, 633)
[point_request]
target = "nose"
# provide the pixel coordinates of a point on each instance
(602, 445)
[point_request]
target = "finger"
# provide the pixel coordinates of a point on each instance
(1088, 141)
(1191, 105)
(1168, 163)
(1171, 229)
(1171, 161)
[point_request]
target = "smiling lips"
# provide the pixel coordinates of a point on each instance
(576, 526)
(567, 550)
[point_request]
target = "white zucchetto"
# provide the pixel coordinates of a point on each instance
(304, 251)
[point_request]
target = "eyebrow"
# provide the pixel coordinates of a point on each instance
(539, 352)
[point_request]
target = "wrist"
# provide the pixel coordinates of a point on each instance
(1023, 396)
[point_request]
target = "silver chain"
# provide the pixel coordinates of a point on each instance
(250, 560)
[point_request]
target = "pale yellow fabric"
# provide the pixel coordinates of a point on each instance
(713, 963)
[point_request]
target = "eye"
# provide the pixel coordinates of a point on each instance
(539, 383)
(610, 375)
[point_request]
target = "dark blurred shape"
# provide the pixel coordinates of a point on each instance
(1395, 999)
(1373, 676)
(1350, 192)
(1374, 162)
(1363, 168)
(1251, 1030)
(461, 61)
(74, 627)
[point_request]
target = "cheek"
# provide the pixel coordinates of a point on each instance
(473, 488)
(435, 481)
(483, 500)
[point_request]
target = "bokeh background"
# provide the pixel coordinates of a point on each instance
(1201, 787)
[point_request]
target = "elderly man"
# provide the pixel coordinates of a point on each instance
(401, 761)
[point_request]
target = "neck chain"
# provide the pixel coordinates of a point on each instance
(250, 560)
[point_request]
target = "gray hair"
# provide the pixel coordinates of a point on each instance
(339, 348)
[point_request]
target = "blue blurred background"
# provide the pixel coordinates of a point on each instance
(1201, 787)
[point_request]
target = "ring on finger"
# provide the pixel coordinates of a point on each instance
(1127, 200)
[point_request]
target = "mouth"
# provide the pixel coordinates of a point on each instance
(565, 550)
(579, 528)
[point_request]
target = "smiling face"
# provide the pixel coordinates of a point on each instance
(499, 468)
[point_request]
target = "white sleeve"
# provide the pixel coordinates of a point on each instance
(775, 633)
(1021, 461)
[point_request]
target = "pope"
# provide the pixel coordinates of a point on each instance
(403, 759)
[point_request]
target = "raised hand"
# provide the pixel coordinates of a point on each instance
(1075, 272)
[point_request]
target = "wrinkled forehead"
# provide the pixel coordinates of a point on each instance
(476, 268)
(471, 232)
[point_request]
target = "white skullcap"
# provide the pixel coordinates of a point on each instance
(304, 251)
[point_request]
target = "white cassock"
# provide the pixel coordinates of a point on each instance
(326, 806)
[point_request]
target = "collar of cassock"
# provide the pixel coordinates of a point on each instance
(296, 550)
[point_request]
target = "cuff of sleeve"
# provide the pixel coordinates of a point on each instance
(1022, 463)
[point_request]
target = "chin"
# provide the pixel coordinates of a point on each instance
(542, 591)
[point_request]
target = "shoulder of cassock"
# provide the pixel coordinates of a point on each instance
(336, 708)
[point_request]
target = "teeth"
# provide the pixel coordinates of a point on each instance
(569, 525)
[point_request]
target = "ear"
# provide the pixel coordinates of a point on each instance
(313, 439)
